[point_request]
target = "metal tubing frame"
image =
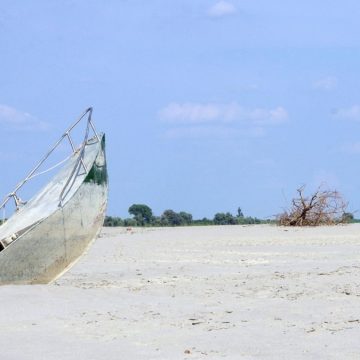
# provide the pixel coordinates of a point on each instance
(76, 169)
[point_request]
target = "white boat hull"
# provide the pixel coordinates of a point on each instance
(50, 246)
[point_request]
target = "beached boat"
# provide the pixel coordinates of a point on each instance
(47, 234)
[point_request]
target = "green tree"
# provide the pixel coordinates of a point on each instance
(156, 221)
(142, 213)
(224, 219)
(131, 222)
(203, 221)
(239, 213)
(113, 221)
(347, 217)
(170, 217)
(220, 219)
(186, 218)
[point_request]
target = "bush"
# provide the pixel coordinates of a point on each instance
(113, 221)
(323, 207)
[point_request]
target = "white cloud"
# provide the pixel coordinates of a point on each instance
(327, 83)
(351, 113)
(267, 116)
(190, 112)
(20, 120)
(212, 131)
(221, 8)
(229, 120)
(196, 132)
(198, 113)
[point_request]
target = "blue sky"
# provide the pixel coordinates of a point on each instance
(207, 105)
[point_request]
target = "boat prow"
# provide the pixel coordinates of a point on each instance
(45, 236)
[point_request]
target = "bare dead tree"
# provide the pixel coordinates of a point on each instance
(323, 207)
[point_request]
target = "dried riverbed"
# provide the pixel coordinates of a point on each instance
(235, 292)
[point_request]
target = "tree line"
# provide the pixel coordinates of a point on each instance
(142, 215)
(323, 207)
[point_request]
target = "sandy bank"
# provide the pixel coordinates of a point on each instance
(235, 292)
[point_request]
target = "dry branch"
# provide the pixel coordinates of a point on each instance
(324, 207)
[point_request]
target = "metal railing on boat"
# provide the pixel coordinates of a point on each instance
(75, 171)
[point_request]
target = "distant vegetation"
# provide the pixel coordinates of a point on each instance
(142, 215)
(323, 207)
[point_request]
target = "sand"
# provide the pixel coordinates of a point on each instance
(234, 292)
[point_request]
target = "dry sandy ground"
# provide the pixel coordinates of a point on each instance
(234, 292)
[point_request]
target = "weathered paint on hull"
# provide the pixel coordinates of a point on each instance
(50, 247)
